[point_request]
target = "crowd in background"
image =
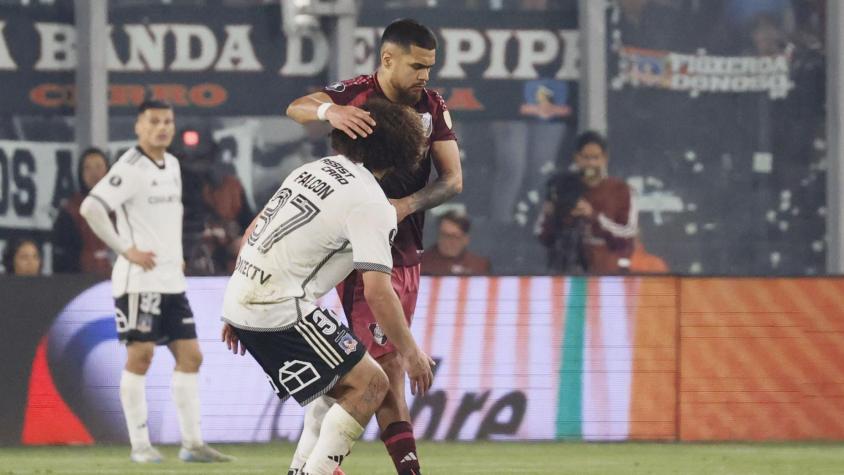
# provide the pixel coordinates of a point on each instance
(703, 149)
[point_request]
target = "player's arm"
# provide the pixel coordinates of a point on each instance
(110, 192)
(449, 181)
(319, 106)
(95, 213)
(384, 303)
(369, 227)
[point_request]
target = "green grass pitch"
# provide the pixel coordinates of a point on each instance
(460, 459)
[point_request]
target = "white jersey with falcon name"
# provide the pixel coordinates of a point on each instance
(147, 199)
(328, 217)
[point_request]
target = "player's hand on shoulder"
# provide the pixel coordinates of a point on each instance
(420, 371)
(354, 121)
(145, 259)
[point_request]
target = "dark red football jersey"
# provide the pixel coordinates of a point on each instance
(431, 107)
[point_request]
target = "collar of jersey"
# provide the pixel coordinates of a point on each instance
(141, 150)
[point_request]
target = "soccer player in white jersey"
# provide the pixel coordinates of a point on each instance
(327, 218)
(144, 190)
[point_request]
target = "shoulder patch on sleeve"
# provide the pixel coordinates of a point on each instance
(337, 86)
(447, 119)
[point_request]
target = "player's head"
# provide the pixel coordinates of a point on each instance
(591, 155)
(408, 51)
(93, 166)
(155, 126)
(22, 257)
(396, 144)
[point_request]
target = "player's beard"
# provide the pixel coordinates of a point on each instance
(409, 97)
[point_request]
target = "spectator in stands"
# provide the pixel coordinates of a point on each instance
(450, 255)
(22, 257)
(76, 248)
(216, 208)
(588, 221)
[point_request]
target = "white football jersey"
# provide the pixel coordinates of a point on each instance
(328, 217)
(147, 200)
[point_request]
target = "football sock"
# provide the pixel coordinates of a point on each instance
(133, 398)
(401, 445)
(337, 435)
(314, 414)
(185, 391)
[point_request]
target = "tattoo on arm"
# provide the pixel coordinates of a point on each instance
(434, 194)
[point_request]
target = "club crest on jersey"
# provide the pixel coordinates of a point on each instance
(336, 86)
(378, 334)
(348, 344)
(427, 123)
(115, 180)
(393, 233)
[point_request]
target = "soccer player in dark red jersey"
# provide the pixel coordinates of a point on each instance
(408, 52)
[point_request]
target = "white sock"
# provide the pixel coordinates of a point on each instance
(133, 398)
(337, 435)
(314, 415)
(185, 391)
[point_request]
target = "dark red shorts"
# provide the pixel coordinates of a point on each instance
(362, 322)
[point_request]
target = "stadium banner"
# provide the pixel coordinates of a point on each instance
(702, 73)
(36, 176)
(520, 358)
(237, 61)
(762, 359)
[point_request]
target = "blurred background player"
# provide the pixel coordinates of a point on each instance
(144, 190)
(297, 251)
(75, 246)
(408, 52)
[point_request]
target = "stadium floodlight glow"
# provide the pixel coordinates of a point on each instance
(302, 16)
(296, 19)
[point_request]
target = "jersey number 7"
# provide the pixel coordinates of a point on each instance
(305, 212)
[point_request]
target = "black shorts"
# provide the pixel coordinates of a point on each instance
(306, 360)
(155, 317)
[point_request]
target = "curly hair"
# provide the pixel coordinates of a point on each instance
(12, 246)
(396, 142)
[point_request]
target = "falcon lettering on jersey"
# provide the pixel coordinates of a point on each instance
(310, 182)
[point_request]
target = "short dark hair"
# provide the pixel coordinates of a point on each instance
(590, 136)
(395, 142)
(12, 246)
(408, 32)
(153, 104)
(458, 218)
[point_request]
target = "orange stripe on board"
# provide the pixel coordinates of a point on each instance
(489, 334)
(457, 338)
(653, 320)
(431, 320)
(523, 332)
(597, 391)
(825, 306)
(558, 316)
(696, 422)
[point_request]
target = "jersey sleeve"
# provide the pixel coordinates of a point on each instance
(443, 126)
(371, 229)
(345, 92)
(118, 186)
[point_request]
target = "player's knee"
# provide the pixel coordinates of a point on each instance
(379, 384)
(191, 361)
(139, 360)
